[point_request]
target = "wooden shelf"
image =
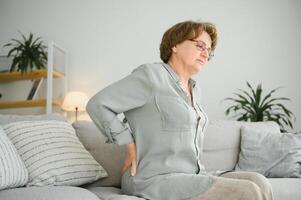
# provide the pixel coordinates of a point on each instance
(37, 77)
(17, 76)
(27, 103)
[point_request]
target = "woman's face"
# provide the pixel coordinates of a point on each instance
(193, 54)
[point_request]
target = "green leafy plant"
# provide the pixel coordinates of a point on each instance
(254, 107)
(28, 54)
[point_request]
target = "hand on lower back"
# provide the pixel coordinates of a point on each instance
(130, 159)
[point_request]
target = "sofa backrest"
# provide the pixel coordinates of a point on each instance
(220, 150)
(222, 142)
(109, 156)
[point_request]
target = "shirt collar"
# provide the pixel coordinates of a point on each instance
(175, 76)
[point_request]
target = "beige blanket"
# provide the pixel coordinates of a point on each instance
(238, 186)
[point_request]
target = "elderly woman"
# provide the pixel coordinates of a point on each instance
(166, 122)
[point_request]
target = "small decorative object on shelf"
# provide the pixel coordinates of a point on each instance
(34, 89)
(28, 54)
(254, 107)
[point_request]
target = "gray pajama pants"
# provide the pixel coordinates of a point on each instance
(238, 186)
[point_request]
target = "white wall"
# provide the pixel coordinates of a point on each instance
(259, 41)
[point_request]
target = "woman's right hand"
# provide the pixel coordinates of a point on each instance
(130, 159)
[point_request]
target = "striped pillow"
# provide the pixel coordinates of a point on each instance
(13, 172)
(53, 154)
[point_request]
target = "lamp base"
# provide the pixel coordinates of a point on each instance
(76, 110)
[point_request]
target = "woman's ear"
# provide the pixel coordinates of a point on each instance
(174, 49)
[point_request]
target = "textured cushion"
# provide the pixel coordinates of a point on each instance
(13, 172)
(52, 153)
(222, 140)
(271, 154)
(110, 156)
(7, 118)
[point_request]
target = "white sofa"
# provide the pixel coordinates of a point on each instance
(221, 150)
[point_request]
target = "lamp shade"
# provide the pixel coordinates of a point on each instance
(75, 100)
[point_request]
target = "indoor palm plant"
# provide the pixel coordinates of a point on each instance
(27, 54)
(253, 106)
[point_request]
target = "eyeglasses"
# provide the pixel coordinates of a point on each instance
(201, 46)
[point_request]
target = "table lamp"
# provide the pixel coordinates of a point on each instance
(75, 101)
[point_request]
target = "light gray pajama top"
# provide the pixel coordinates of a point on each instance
(165, 126)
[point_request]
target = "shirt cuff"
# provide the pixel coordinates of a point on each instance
(124, 137)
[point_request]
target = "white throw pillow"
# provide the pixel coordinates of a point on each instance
(52, 153)
(13, 172)
(271, 154)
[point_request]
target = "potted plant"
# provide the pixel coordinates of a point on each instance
(27, 54)
(254, 107)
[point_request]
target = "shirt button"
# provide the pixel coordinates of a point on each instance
(106, 125)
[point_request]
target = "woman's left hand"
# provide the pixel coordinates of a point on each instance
(130, 159)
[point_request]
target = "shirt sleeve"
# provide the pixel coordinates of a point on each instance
(130, 92)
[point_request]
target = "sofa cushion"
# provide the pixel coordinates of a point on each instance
(222, 142)
(111, 193)
(13, 172)
(48, 193)
(271, 154)
(109, 156)
(286, 188)
(52, 153)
